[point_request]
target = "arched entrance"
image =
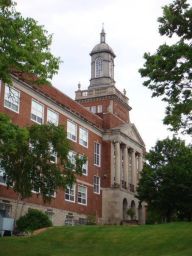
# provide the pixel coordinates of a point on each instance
(125, 204)
(132, 211)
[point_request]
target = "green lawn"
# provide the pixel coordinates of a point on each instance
(173, 239)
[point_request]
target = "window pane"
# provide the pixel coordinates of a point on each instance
(70, 193)
(37, 111)
(71, 131)
(52, 117)
(97, 154)
(83, 137)
(82, 194)
(96, 184)
(98, 67)
(99, 109)
(12, 99)
(2, 176)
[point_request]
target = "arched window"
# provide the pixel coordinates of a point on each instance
(98, 67)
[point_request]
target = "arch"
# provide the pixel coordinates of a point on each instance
(132, 211)
(133, 204)
(98, 67)
(125, 205)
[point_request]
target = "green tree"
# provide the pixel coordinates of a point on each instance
(24, 46)
(169, 70)
(36, 158)
(166, 179)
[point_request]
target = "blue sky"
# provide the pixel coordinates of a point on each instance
(131, 29)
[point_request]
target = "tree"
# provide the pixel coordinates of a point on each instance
(24, 46)
(169, 70)
(36, 158)
(166, 180)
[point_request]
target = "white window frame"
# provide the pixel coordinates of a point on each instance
(96, 184)
(84, 167)
(93, 109)
(82, 195)
(99, 109)
(54, 194)
(98, 67)
(70, 192)
(97, 154)
(35, 112)
(12, 99)
(71, 157)
(71, 135)
(83, 137)
(2, 181)
(53, 154)
(51, 119)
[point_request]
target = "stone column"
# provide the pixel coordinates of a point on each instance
(117, 162)
(140, 165)
(126, 165)
(134, 171)
(112, 163)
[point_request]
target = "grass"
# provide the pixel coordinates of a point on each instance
(173, 239)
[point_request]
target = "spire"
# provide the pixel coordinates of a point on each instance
(102, 35)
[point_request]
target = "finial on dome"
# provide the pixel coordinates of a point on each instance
(102, 35)
(79, 86)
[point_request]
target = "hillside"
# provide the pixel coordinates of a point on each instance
(173, 239)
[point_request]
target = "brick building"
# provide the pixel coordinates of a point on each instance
(98, 125)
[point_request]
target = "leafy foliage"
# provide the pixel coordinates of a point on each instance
(32, 220)
(166, 180)
(36, 158)
(24, 46)
(169, 70)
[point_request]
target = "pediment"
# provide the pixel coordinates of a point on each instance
(131, 131)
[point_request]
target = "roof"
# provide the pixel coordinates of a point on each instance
(102, 47)
(60, 98)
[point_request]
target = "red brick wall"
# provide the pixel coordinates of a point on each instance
(94, 205)
(106, 167)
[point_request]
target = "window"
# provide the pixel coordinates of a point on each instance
(71, 131)
(52, 117)
(96, 184)
(85, 167)
(37, 112)
(97, 154)
(82, 194)
(53, 154)
(72, 157)
(51, 193)
(111, 69)
(2, 176)
(93, 109)
(83, 137)
(11, 99)
(70, 193)
(99, 109)
(98, 67)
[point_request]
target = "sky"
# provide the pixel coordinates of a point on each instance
(131, 29)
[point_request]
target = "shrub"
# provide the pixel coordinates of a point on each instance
(33, 219)
(131, 213)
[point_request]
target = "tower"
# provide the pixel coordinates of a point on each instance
(102, 64)
(122, 146)
(102, 97)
